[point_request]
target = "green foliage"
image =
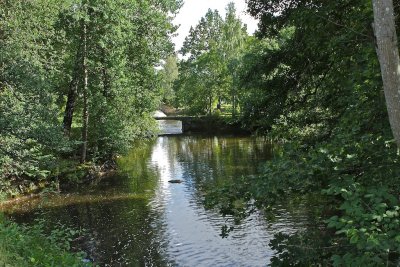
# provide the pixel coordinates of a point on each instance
(30, 246)
(370, 221)
(122, 52)
(41, 73)
(168, 75)
(307, 248)
(204, 36)
(30, 133)
(41, 51)
(313, 82)
(213, 49)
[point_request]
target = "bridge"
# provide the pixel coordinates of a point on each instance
(205, 124)
(177, 118)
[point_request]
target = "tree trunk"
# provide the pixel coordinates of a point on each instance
(233, 106)
(219, 104)
(388, 54)
(70, 107)
(71, 98)
(210, 105)
(85, 113)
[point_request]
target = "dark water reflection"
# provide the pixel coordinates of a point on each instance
(138, 218)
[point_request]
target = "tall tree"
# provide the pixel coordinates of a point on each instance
(206, 34)
(169, 74)
(198, 74)
(85, 93)
(388, 54)
(232, 44)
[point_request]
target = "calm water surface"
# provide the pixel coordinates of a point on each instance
(138, 218)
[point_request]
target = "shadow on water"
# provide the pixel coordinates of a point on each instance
(138, 218)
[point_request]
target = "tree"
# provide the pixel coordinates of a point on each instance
(201, 82)
(30, 65)
(200, 73)
(169, 74)
(388, 54)
(313, 81)
(112, 60)
(204, 36)
(91, 57)
(232, 45)
(214, 48)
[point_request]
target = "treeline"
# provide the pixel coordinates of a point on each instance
(208, 72)
(77, 81)
(311, 80)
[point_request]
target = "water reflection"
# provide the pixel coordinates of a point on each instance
(193, 233)
(170, 127)
(138, 218)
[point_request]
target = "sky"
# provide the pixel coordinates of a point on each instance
(192, 11)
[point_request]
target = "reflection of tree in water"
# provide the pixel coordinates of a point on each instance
(214, 159)
(209, 162)
(117, 232)
(129, 230)
(135, 166)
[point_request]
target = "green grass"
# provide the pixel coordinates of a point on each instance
(22, 246)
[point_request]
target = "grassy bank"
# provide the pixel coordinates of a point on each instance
(40, 244)
(22, 245)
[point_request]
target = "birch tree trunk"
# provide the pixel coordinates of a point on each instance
(388, 54)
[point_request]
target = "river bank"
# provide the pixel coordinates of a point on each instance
(41, 244)
(22, 245)
(69, 174)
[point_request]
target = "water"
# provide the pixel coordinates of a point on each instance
(170, 127)
(138, 218)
